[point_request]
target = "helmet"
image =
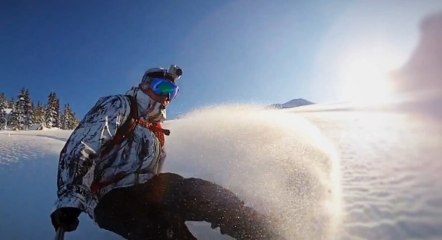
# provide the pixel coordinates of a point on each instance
(174, 73)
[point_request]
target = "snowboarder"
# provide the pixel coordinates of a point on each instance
(110, 168)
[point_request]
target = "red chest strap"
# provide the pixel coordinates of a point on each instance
(156, 128)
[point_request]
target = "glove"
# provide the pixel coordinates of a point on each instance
(66, 217)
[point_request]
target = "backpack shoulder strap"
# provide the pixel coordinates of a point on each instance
(126, 129)
(129, 125)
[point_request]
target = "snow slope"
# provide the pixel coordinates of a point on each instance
(333, 174)
(391, 172)
(277, 162)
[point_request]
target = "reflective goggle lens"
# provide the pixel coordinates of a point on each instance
(164, 87)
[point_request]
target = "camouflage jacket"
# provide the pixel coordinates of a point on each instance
(86, 173)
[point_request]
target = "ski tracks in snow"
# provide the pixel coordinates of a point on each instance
(390, 167)
(30, 145)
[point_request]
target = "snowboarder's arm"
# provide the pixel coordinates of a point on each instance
(79, 155)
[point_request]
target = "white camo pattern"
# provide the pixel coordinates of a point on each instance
(139, 156)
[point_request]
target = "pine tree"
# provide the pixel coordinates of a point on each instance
(4, 110)
(3, 102)
(21, 114)
(57, 111)
(12, 122)
(39, 116)
(28, 108)
(64, 120)
(52, 114)
(74, 121)
(18, 114)
(69, 121)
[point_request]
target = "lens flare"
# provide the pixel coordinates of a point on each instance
(364, 74)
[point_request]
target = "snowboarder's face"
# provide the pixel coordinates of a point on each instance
(151, 106)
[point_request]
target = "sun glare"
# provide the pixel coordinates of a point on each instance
(364, 75)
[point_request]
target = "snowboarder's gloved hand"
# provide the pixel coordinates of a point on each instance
(66, 217)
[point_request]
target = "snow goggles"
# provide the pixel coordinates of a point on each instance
(164, 87)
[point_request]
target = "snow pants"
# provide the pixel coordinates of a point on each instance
(159, 208)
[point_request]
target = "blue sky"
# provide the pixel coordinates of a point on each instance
(231, 51)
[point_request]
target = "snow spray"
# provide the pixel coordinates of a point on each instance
(277, 162)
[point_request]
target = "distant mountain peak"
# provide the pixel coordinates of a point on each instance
(292, 103)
